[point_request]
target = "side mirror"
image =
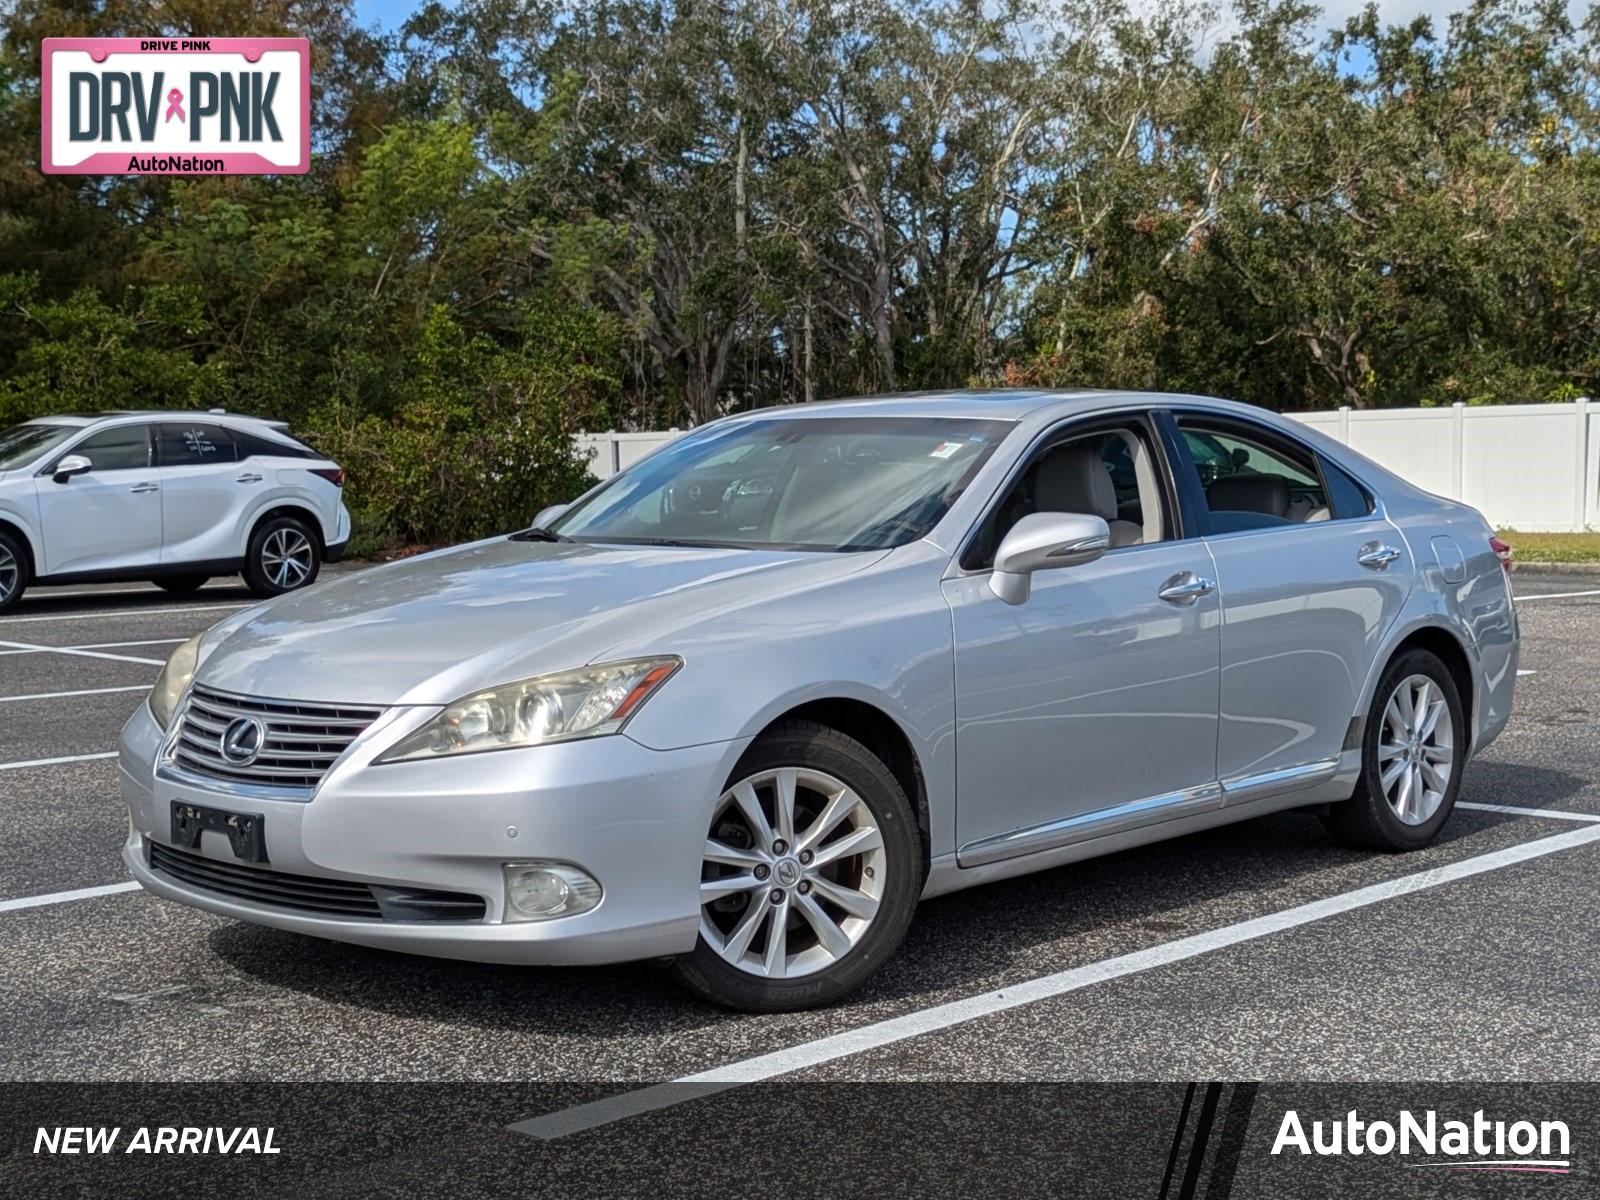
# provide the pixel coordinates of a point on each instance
(1042, 541)
(549, 513)
(72, 464)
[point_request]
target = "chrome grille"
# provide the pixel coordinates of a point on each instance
(300, 743)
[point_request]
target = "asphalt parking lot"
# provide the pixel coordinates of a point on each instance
(1261, 951)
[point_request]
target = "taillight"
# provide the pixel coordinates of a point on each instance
(1502, 551)
(333, 475)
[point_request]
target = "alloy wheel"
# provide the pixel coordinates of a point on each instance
(1416, 749)
(10, 572)
(793, 875)
(286, 557)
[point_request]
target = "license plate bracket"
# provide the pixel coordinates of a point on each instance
(246, 832)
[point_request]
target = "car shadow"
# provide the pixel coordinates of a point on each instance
(958, 943)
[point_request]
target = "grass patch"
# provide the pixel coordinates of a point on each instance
(1554, 547)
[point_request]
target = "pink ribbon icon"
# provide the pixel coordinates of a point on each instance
(175, 106)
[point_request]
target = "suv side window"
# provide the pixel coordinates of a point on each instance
(120, 448)
(195, 443)
(1252, 479)
(1110, 472)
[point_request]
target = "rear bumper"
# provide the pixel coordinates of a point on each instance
(334, 551)
(634, 818)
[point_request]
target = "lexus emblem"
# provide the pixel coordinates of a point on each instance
(242, 741)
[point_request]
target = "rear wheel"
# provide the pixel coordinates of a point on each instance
(13, 570)
(283, 555)
(810, 876)
(181, 584)
(1411, 758)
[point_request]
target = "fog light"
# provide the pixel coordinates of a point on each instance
(539, 891)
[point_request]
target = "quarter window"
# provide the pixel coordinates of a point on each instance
(195, 443)
(120, 448)
(1253, 480)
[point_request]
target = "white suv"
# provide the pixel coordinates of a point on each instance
(174, 498)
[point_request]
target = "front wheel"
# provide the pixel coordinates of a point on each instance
(811, 872)
(1412, 753)
(283, 555)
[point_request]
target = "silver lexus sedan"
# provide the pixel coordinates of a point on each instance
(744, 703)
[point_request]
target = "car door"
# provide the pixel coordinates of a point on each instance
(203, 490)
(1091, 707)
(109, 517)
(1311, 576)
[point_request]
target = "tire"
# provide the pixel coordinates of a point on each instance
(13, 570)
(183, 584)
(274, 542)
(1403, 816)
(879, 877)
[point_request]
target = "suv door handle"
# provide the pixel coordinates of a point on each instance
(1377, 556)
(1185, 588)
(139, 489)
(248, 477)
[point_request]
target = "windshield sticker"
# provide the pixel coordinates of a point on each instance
(945, 449)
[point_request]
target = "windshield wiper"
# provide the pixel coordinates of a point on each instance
(538, 533)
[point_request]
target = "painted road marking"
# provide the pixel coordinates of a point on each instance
(1555, 596)
(1550, 814)
(88, 893)
(51, 762)
(943, 1016)
(127, 612)
(132, 687)
(29, 646)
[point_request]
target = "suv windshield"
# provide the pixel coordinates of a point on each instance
(808, 483)
(23, 443)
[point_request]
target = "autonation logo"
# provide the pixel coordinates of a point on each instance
(1480, 1144)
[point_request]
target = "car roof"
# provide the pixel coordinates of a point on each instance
(1008, 404)
(84, 419)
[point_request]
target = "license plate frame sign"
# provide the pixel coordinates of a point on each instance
(176, 106)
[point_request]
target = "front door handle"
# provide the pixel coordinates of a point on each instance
(1185, 588)
(1377, 556)
(140, 489)
(248, 477)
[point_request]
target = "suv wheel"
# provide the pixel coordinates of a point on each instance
(13, 571)
(283, 555)
(811, 873)
(1411, 758)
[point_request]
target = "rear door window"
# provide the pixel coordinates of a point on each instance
(195, 444)
(1253, 479)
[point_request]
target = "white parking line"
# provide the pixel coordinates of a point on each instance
(943, 1016)
(88, 893)
(127, 612)
(1555, 596)
(31, 647)
(42, 649)
(106, 691)
(51, 762)
(1551, 814)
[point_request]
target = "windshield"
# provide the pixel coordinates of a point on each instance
(809, 483)
(23, 443)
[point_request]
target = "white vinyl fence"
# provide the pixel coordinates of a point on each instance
(1534, 467)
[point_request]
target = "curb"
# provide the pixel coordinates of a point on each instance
(1556, 568)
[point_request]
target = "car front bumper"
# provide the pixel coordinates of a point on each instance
(633, 818)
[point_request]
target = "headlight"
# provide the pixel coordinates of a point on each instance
(552, 708)
(172, 681)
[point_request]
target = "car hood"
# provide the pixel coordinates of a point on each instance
(436, 627)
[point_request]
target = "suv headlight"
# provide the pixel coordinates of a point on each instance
(585, 703)
(172, 681)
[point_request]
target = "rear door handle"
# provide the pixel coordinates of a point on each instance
(139, 489)
(1185, 588)
(1377, 556)
(248, 477)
